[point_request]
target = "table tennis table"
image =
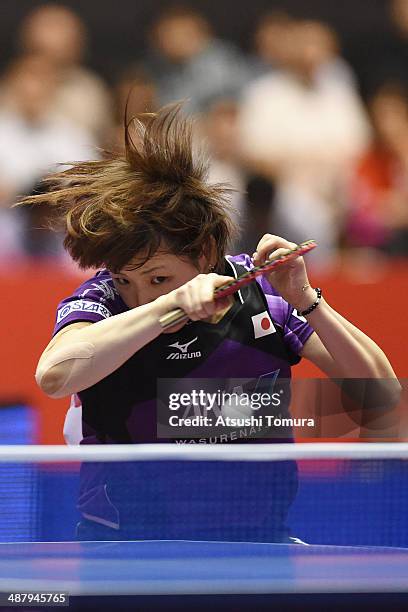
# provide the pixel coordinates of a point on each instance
(164, 569)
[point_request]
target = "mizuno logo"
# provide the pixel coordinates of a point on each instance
(183, 348)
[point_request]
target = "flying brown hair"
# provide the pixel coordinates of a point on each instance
(127, 206)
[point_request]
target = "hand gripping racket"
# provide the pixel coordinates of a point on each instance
(174, 317)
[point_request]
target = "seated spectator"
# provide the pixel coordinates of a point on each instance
(134, 93)
(187, 61)
(33, 140)
(378, 216)
(219, 128)
(272, 41)
(380, 55)
(302, 126)
(57, 33)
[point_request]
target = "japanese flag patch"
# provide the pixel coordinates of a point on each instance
(263, 325)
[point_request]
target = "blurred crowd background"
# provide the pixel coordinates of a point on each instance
(303, 107)
(309, 126)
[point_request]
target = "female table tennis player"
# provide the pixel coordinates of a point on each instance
(158, 232)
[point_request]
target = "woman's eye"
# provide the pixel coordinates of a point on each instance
(122, 281)
(158, 280)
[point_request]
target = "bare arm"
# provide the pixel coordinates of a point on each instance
(337, 346)
(376, 395)
(342, 350)
(83, 354)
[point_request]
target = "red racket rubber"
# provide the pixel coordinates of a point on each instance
(174, 317)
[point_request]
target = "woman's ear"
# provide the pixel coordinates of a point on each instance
(208, 259)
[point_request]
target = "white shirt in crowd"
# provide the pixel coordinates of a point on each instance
(27, 153)
(308, 136)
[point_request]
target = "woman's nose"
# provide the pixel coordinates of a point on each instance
(142, 296)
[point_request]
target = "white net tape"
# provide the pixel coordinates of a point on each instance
(203, 452)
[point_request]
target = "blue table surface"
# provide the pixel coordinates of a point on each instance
(184, 567)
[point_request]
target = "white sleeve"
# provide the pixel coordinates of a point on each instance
(73, 422)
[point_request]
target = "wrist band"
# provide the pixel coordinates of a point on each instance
(314, 305)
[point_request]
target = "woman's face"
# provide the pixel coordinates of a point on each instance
(158, 276)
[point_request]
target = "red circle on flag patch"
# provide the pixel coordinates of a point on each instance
(265, 323)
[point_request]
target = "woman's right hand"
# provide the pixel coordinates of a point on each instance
(196, 298)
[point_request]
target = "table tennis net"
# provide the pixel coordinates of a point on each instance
(337, 494)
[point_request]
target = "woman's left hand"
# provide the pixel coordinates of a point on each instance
(289, 279)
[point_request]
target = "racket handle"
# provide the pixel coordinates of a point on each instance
(174, 317)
